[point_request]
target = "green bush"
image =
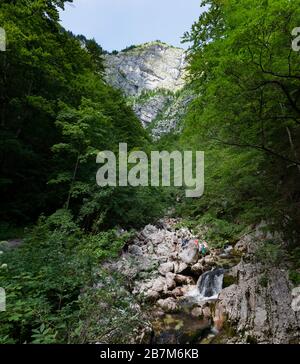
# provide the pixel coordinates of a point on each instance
(44, 279)
(270, 253)
(294, 277)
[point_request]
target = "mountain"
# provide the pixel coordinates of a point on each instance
(153, 77)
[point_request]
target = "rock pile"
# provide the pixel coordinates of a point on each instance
(164, 264)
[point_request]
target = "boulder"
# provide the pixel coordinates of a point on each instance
(189, 254)
(179, 291)
(184, 280)
(165, 250)
(206, 312)
(158, 284)
(169, 282)
(168, 305)
(158, 237)
(166, 268)
(197, 312)
(197, 268)
(151, 295)
(135, 250)
(209, 260)
(149, 230)
(241, 246)
(179, 267)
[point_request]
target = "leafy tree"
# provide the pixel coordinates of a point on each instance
(247, 77)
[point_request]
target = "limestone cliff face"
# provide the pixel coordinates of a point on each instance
(146, 68)
(152, 76)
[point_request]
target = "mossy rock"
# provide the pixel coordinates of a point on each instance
(229, 280)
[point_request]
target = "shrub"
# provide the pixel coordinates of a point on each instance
(45, 279)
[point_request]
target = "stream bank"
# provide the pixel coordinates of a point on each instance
(226, 296)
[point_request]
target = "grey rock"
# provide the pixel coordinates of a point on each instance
(180, 266)
(158, 284)
(189, 254)
(197, 268)
(261, 312)
(197, 312)
(166, 268)
(135, 250)
(152, 76)
(168, 305)
(181, 279)
(147, 67)
(170, 282)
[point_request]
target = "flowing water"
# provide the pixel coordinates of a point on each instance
(182, 327)
(208, 287)
(210, 284)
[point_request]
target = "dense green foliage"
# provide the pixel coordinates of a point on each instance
(57, 113)
(247, 113)
(54, 278)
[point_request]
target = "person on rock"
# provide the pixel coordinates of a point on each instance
(198, 245)
(204, 248)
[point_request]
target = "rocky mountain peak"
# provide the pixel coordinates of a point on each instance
(153, 77)
(147, 67)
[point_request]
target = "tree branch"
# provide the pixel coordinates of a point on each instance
(258, 147)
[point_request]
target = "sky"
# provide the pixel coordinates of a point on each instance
(116, 24)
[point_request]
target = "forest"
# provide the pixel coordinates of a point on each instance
(57, 112)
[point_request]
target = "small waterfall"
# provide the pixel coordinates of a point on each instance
(208, 287)
(210, 284)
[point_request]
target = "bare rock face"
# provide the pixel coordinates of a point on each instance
(147, 67)
(259, 305)
(152, 76)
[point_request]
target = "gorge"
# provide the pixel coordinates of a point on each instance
(227, 296)
(139, 263)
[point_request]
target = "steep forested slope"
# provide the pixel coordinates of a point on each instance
(240, 104)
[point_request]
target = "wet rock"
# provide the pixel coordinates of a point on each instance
(197, 312)
(228, 249)
(206, 312)
(209, 260)
(180, 291)
(181, 279)
(197, 268)
(219, 318)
